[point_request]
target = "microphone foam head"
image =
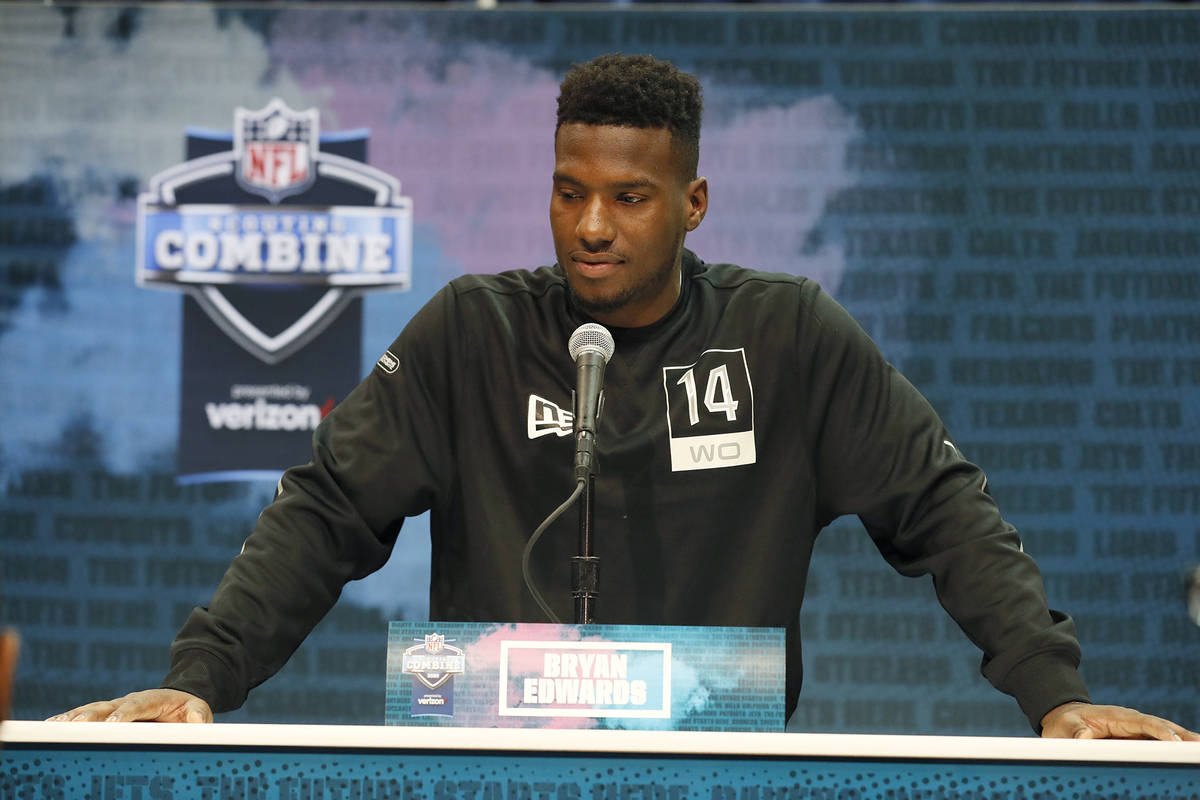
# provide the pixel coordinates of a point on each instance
(594, 338)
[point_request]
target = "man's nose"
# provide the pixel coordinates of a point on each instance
(595, 228)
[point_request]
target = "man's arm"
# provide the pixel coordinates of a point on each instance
(382, 455)
(885, 456)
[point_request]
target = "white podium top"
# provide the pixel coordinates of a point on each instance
(786, 745)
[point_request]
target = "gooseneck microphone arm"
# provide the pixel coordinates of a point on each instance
(530, 584)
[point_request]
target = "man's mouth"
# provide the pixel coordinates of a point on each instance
(596, 265)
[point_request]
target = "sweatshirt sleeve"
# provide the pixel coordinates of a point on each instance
(884, 455)
(383, 454)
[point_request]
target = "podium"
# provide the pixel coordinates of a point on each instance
(104, 761)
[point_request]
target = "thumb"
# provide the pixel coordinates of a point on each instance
(1084, 732)
(196, 713)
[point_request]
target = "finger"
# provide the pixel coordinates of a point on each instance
(197, 711)
(92, 712)
(1135, 725)
(1161, 729)
(1184, 733)
(87, 714)
(1150, 728)
(141, 706)
(1176, 732)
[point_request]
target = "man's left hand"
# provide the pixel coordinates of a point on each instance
(1087, 721)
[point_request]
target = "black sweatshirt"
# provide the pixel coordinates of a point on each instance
(733, 430)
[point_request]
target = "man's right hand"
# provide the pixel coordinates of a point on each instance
(152, 705)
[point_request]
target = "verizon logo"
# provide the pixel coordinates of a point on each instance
(263, 416)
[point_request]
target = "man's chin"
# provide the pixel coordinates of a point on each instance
(598, 305)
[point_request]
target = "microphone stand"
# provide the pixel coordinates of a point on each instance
(591, 345)
(585, 567)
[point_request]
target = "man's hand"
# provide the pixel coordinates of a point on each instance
(153, 705)
(1087, 721)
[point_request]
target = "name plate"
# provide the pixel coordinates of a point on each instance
(533, 675)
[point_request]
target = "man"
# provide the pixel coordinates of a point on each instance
(802, 420)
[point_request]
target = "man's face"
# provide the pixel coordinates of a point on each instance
(619, 211)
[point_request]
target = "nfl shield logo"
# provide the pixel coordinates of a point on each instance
(434, 642)
(275, 149)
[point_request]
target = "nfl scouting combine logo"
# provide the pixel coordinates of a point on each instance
(433, 665)
(328, 221)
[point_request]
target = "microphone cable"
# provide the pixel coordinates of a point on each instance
(537, 534)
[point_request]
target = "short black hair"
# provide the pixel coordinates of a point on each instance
(637, 91)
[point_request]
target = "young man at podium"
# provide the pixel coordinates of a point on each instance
(744, 411)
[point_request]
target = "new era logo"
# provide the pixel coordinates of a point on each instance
(546, 418)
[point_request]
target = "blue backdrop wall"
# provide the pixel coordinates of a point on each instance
(1007, 201)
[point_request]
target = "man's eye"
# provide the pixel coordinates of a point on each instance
(566, 194)
(630, 199)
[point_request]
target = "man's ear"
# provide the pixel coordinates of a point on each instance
(697, 202)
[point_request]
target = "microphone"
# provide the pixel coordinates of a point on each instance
(590, 346)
